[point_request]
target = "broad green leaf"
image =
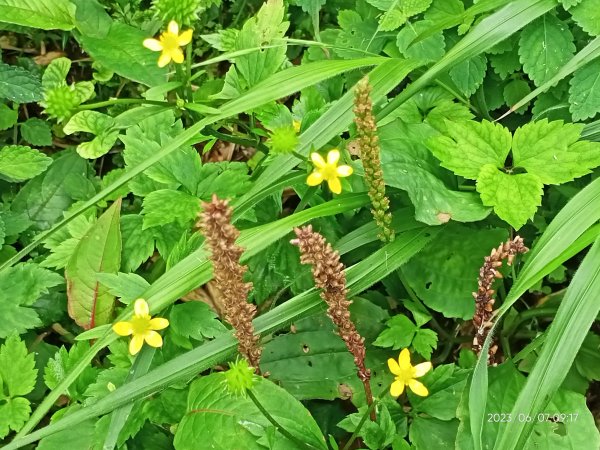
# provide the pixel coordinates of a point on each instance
(545, 46)
(23, 284)
(584, 93)
(167, 206)
(91, 18)
(514, 91)
(90, 303)
(442, 274)
(56, 72)
(357, 34)
(19, 85)
(409, 165)
(428, 432)
(44, 14)
(36, 132)
(552, 152)
(587, 15)
(396, 12)
(471, 145)
(429, 49)
(505, 63)
(239, 421)
(122, 52)
(441, 10)
(101, 125)
(8, 117)
(62, 362)
(19, 162)
(195, 320)
(468, 75)
(138, 244)
(515, 198)
(126, 286)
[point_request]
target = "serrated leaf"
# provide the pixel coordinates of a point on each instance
(398, 334)
(552, 152)
(36, 132)
(102, 125)
(121, 51)
(584, 93)
(424, 342)
(8, 117)
(505, 63)
(438, 274)
(195, 320)
(546, 45)
(138, 243)
(17, 368)
(19, 162)
(468, 75)
(441, 10)
(429, 49)
(126, 286)
(56, 72)
(19, 85)
(515, 198)
(587, 15)
(44, 14)
(14, 412)
(514, 91)
(61, 364)
(378, 434)
(396, 12)
(568, 3)
(470, 145)
(90, 303)
(167, 206)
(357, 34)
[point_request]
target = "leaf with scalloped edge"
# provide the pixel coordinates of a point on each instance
(101, 125)
(515, 198)
(20, 162)
(587, 15)
(584, 93)
(468, 75)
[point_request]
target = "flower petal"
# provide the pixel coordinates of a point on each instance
(135, 345)
(177, 55)
(173, 28)
(317, 160)
(185, 38)
(153, 339)
(140, 307)
(334, 185)
(123, 328)
(164, 59)
(404, 360)
(422, 369)
(397, 388)
(333, 157)
(314, 179)
(418, 388)
(393, 366)
(344, 171)
(153, 44)
(158, 323)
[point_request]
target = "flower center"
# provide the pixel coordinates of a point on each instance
(140, 324)
(406, 375)
(329, 172)
(169, 41)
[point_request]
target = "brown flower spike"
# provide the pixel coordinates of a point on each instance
(484, 301)
(221, 235)
(368, 143)
(328, 273)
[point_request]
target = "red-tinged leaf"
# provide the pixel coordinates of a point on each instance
(90, 303)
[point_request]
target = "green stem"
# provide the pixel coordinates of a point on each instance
(188, 73)
(363, 419)
(122, 101)
(276, 424)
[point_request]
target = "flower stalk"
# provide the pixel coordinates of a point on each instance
(484, 297)
(225, 255)
(368, 143)
(329, 275)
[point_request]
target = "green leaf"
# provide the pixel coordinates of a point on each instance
(587, 15)
(515, 198)
(410, 166)
(240, 422)
(378, 434)
(545, 46)
(396, 12)
(471, 145)
(44, 14)
(445, 384)
(429, 432)
(138, 243)
(89, 303)
(584, 93)
(505, 63)
(8, 117)
(468, 75)
(167, 206)
(424, 342)
(126, 286)
(514, 91)
(357, 34)
(24, 283)
(426, 50)
(399, 333)
(442, 274)
(122, 52)
(63, 361)
(36, 132)
(102, 125)
(19, 162)
(14, 412)
(442, 10)
(19, 85)
(195, 320)
(552, 152)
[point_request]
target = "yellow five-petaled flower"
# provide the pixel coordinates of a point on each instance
(328, 171)
(406, 373)
(142, 327)
(168, 43)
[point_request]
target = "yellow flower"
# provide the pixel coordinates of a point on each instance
(142, 327)
(406, 373)
(328, 171)
(297, 125)
(168, 43)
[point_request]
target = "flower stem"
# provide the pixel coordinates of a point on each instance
(274, 422)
